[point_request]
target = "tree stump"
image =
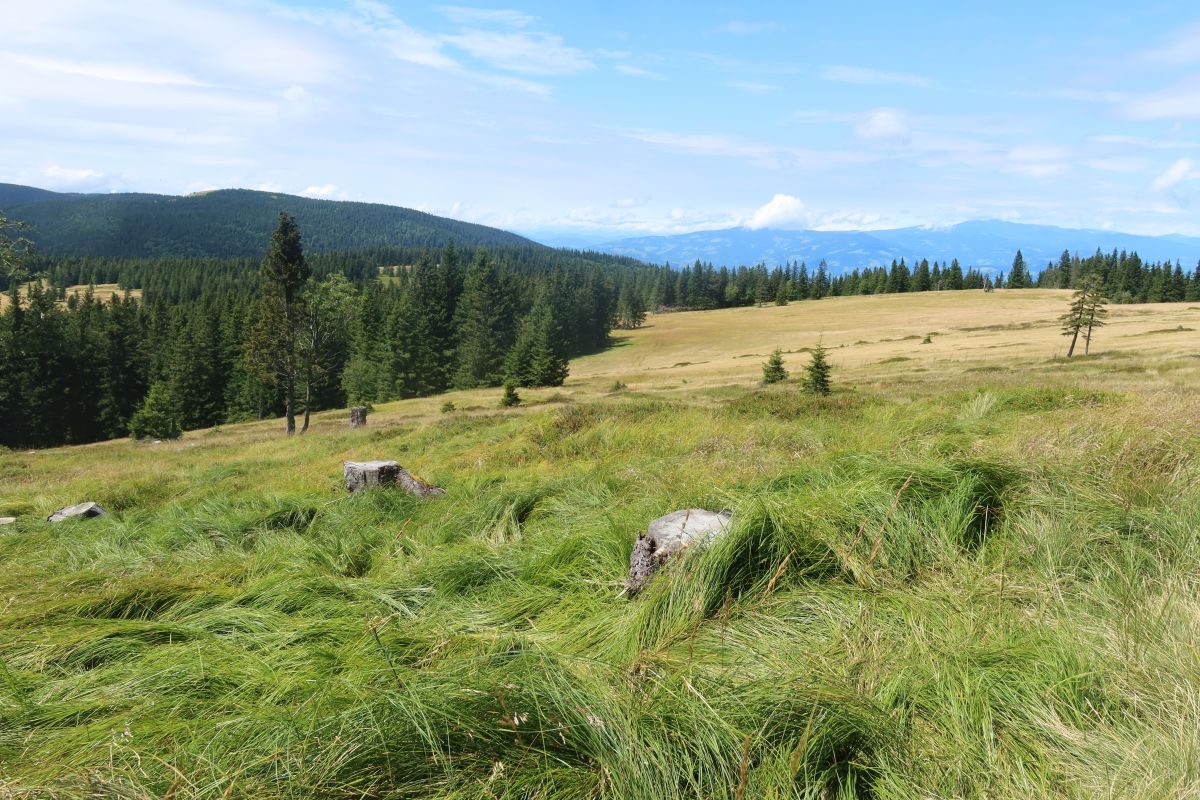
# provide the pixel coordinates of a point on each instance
(361, 475)
(83, 510)
(358, 416)
(669, 535)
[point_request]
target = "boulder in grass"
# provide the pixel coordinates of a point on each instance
(82, 510)
(360, 475)
(7, 520)
(669, 535)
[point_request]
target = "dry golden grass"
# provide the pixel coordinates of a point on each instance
(104, 292)
(879, 338)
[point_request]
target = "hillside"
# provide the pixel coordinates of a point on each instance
(229, 223)
(970, 572)
(988, 243)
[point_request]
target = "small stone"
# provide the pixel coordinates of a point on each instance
(671, 534)
(7, 520)
(81, 510)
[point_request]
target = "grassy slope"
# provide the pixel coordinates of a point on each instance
(971, 573)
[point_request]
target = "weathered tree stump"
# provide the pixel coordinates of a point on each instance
(669, 535)
(360, 475)
(83, 510)
(358, 416)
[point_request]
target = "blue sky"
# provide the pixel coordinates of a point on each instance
(602, 120)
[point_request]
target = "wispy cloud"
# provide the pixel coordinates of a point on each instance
(760, 154)
(526, 52)
(630, 69)
(862, 75)
(463, 15)
(1185, 169)
(1183, 48)
(1181, 101)
(122, 73)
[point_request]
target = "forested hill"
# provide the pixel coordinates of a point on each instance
(228, 223)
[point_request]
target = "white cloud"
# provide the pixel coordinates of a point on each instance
(884, 126)
(77, 179)
(1181, 101)
(487, 16)
(629, 69)
(122, 73)
(1182, 170)
(323, 192)
(762, 155)
(844, 74)
(526, 52)
(783, 212)
(1184, 48)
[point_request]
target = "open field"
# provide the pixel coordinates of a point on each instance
(973, 571)
(104, 292)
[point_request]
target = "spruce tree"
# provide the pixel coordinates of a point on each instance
(485, 326)
(159, 415)
(1085, 309)
(273, 343)
(773, 370)
(816, 374)
(537, 358)
(1095, 311)
(1018, 278)
(510, 397)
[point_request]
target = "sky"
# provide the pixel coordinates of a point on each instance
(592, 121)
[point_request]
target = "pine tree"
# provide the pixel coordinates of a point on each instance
(537, 358)
(273, 343)
(321, 335)
(816, 374)
(485, 326)
(773, 370)
(781, 295)
(510, 397)
(1095, 313)
(1018, 278)
(1085, 312)
(159, 415)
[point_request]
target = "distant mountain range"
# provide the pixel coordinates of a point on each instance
(225, 223)
(985, 244)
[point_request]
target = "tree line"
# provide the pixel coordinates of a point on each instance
(223, 348)
(205, 342)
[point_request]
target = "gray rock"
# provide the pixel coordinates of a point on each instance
(671, 534)
(7, 520)
(360, 475)
(358, 416)
(83, 510)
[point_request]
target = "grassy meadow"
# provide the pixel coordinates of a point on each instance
(973, 571)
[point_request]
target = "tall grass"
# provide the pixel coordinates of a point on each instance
(980, 593)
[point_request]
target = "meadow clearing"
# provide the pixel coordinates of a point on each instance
(973, 571)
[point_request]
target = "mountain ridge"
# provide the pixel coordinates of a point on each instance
(225, 223)
(987, 244)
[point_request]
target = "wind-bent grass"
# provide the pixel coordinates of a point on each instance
(968, 587)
